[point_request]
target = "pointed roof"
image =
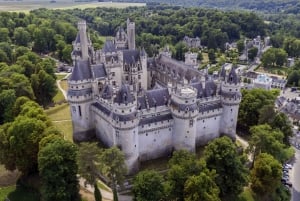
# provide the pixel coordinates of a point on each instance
(109, 46)
(232, 76)
(107, 92)
(223, 72)
(124, 96)
(81, 71)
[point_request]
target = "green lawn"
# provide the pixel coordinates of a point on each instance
(246, 195)
(61, 117)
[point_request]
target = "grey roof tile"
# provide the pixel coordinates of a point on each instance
(99, 71)
(131, 56)
(109, 46)
(155, 119)
(81, 71)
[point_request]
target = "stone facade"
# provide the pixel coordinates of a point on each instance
(148, 107)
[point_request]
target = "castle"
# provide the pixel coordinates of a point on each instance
(148, 107)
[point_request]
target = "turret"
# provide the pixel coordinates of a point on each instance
(184, 111)
(80, 97)
(125, 123)
(230, 98)
(83, 39)
(131, 34)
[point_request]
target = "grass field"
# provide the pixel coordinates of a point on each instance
(26, 6)
(61, 117)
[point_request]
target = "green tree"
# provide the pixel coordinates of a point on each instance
(88, 157)
(4, 35)
(266, 114)
(240, 45)
(44, 87)
(58, 169)
(221, 155)
(21, 36)
(282, 123)
(180, 49)
(266, 140)
(252, 102)
(7, 100)
(112, 164)
(201, 188)
(212, 56)
(265, 175)
(183, 164)
(252, 53)
(148, 186)
(274, 57)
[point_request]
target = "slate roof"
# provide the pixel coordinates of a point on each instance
(99, 71)
(81, 71)
(232, 76)
(209, 107)
(127, 117)
(155, 97)
(131, 56)
(177, 68)
(101, 108)
(109, 46)
(185, 107)
(124, 96)
(210, 88)
(159, 118)
(107, 92)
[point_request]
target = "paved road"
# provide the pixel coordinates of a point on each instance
(295, 178)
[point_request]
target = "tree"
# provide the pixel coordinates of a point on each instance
(23, 137)
(180, 49)
(201, 188)
(4, 35)
(252, 101)
(266, 140)
(88, 158)
(7, 100)
(211, 56)
(265, 175)
(148, 186)
(112, 164)
(221, 155)
(44, 87)
(183, 164)
(266, 114)
(21, 36)
(58, 169)
(252, 53)
(282, 123)
(274, 57)
(240, 45)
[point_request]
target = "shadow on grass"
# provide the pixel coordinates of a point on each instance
(23, 193)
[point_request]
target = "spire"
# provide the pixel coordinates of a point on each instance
(232, 76)
(223, 73)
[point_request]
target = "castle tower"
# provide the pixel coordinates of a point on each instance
(131, 34)
(184, 111)
(83, 39)
(191, 59)
(80, 97)
(125, 123)
(121, 39)
(231, 98)
(144, 58)
(82, 46)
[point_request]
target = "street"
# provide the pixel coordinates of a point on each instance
(295, 177)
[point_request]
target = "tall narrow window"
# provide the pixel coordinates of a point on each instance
(79, 109)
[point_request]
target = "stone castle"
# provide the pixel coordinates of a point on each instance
(148, 107)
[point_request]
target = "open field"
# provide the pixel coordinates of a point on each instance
(26, 6)
(61, 118)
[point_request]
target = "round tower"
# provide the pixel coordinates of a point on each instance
(125, 122)
(80, 97)
(184, 111)
(230, 98)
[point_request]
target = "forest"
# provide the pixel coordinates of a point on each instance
(272, 6)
